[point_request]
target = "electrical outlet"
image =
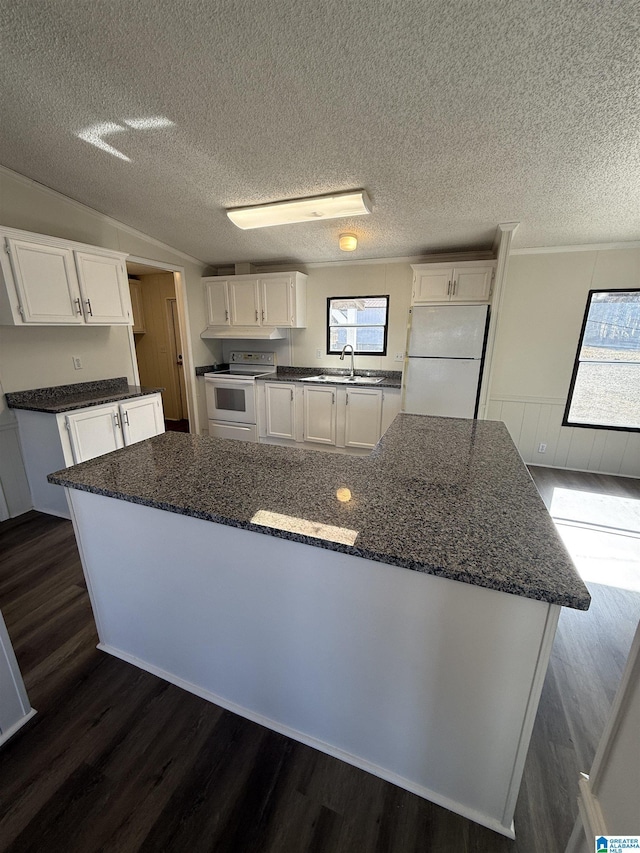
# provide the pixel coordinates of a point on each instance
(399, 356)
(318, 353)
(542, 448)
(77, 362)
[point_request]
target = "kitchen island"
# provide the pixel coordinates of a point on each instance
(395, 610)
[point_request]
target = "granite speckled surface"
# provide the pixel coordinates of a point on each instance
(445, 496)
(79, 395)
(390, 378)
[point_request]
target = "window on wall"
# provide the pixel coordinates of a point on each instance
(361, 321)
(605, 386)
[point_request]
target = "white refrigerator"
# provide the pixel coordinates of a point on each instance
(444, 360)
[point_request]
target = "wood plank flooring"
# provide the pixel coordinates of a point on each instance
(118, 760)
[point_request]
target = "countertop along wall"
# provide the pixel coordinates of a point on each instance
(40, 356)
(545, 297)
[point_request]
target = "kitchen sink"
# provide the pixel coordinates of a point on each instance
(342, 380)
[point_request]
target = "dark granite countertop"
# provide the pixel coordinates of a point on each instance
(390, 378)
(80, 395)
(446, 496)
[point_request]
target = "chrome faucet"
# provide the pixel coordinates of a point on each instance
(344, 349)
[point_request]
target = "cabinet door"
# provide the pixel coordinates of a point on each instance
(216, 294)
(471, 285)
(94, 432)
(432, 286)
(141, 418)
(103, 285)
(363, 417)
(280, 405)
(46, 282)
(320, 414)
(278, 296)
(135, 292)
(244, 302)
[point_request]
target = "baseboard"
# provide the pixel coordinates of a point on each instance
(301, 737)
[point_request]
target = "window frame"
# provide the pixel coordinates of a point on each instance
(576, 365)
(385, 327)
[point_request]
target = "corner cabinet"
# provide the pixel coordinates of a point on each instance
(46, 281)
(54, 441)
(270, 299)
(465, 282)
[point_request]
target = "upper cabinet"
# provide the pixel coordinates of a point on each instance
(466, 282)
(270, 299)
(46, 281)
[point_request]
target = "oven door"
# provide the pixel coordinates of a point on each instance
(231, 400)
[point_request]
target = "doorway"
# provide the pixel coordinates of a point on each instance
(159, 339)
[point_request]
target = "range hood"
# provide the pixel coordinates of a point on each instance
(245, 333)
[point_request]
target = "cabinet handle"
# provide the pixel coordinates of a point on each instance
(449, 289)
(77, 301)
(333, 398)
(292, 395)
(125, 415)
(453, 292)
(262, 315)
(256, 315)
(89, 307)
(347, 400)
(115, 417)
(226, 315)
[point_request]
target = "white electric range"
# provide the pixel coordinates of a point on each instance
(232, 395)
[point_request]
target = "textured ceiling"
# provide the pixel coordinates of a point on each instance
(454, 116)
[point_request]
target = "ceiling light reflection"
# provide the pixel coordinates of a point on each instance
(343, 494)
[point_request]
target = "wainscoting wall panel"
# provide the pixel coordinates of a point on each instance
(534, 421)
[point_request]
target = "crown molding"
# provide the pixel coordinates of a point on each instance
(581, 247)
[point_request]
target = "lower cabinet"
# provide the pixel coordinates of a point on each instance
(280, 409)
(320, 414)
(349, 418)
(363, 416)
(51, 442)
(100, 429)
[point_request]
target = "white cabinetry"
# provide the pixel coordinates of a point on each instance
(280, 409)
(94, 432)
(351, 418)
(46, 281)
(363, 416)
(104, 288)
(244, 302)
(51, 442)
(216, 294)
(320, 414)
(250, 301)
(464, 282)
(15, 709)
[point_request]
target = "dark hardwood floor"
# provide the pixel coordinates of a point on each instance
(118, 760)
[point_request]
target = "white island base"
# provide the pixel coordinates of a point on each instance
(429, 683)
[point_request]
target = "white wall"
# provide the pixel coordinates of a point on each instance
(393, 279)
(35, 357)
(544, 302)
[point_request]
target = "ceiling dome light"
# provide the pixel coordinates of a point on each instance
(348, 242)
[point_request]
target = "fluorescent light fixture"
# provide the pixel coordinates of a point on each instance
(301, 210)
